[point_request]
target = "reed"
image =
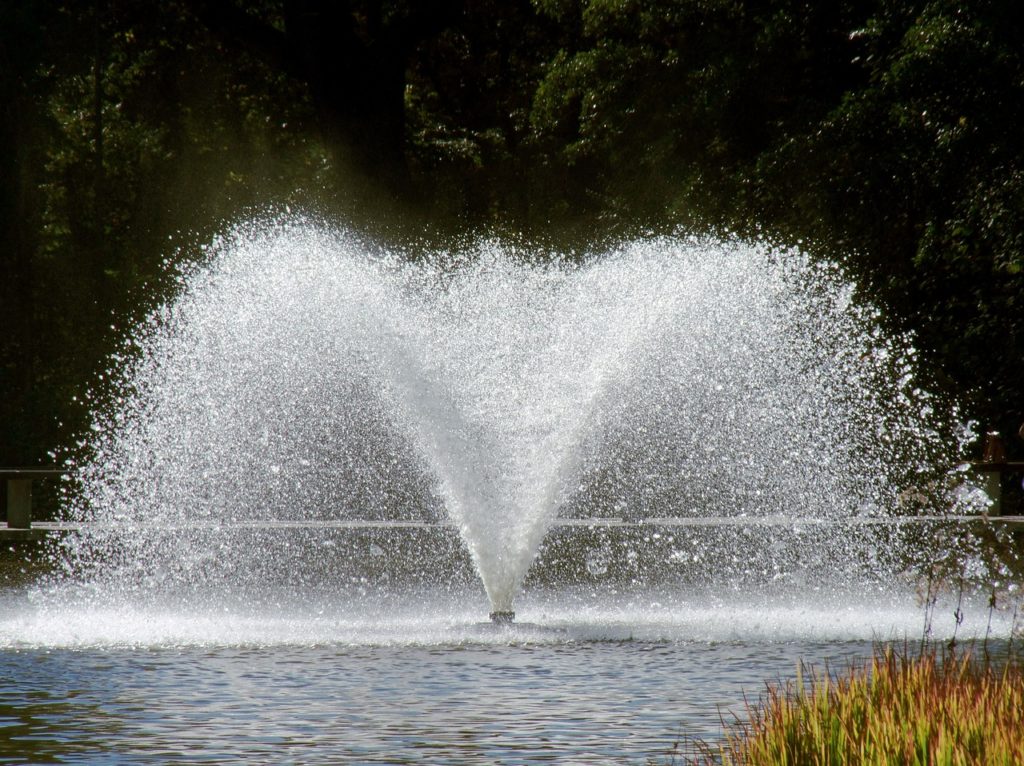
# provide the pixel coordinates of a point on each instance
(923, 710)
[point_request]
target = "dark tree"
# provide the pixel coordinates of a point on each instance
(886, 134)
(354, 57)
(21, 51)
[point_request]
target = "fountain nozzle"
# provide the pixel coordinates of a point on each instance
(502, 618)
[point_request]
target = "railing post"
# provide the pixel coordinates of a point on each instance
(19, 503)
(992, 465)
(994, 490)
(16, 493)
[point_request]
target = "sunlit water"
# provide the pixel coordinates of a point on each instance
(618, 682)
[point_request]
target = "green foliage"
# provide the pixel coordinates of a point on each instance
(641, 104)
(886, 134)
(136, 129)
(918, 169)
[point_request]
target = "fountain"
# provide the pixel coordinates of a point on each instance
(307, 389)
(679, 467)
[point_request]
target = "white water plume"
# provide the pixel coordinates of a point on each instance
(304, 376)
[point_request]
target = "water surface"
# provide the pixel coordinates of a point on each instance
(617, 682)
(573, 702)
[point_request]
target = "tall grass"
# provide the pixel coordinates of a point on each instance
(924, 710)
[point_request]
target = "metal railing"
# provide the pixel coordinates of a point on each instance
(16, 496)
(17, 493)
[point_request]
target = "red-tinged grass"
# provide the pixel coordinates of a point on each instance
(896, 710)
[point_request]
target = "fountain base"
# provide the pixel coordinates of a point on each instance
(502, 618)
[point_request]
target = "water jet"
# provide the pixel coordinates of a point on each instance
(462, 401)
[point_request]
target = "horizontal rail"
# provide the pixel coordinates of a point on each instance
(17, 491)
(589, 523)
(997, 466)
(32, 473)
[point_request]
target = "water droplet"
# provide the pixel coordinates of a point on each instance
(597, 562)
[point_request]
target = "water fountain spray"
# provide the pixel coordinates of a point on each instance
(304, 375)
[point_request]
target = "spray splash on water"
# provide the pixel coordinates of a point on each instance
(305, 376)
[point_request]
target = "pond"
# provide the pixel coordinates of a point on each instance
(620, 685)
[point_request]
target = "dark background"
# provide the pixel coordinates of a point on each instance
(886, 135)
